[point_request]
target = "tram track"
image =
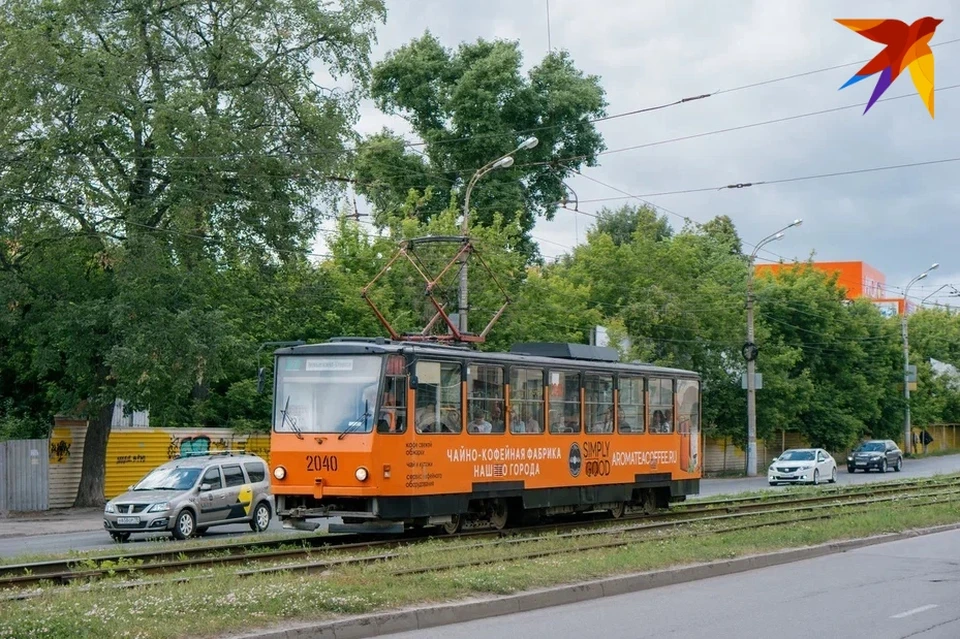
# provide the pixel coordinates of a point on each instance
(176, 560)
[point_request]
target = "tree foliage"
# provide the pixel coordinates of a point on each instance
(164, 167)
(470, 106)
(146, 147)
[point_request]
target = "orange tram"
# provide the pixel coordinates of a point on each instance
(390, 435)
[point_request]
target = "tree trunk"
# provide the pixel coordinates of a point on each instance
(90, 492)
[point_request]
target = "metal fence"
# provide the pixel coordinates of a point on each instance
(24, 475)
(722, 456)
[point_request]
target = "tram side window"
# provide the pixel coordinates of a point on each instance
(485, 399)
(564, 402)
(438, 397)
(393, 402)
(630, 396)
(661, 405)
(526, 400)
(598, 403)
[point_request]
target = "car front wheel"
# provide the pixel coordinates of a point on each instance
(883, 466)
(833, 475)
(261, 518)
(120, 537)
(899, 465)
(185, 526)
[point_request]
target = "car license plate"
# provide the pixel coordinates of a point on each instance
(861, 463)
(128, 520)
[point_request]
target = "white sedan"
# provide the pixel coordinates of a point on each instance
(802, 465)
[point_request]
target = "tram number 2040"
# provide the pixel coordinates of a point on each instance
(316, 463)
(597, 468)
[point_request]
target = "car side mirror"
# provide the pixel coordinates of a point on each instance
(774, 459)
(205, 487)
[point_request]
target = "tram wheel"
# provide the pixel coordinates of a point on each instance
(617, 511)
(499, 514)
(453, 526)
(649, 502)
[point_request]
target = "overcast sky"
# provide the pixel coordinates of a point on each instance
(651, 52)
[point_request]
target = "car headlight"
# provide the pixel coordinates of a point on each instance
(279, 472)
(109, 508)
(849, 459)
(159, 508)
(361, 474)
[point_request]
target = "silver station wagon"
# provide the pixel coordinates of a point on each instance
(189, 494)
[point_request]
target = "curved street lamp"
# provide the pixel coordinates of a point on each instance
(750, 354)
(502, 162)
(907, 439)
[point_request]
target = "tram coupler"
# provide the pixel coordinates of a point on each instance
(300, 524)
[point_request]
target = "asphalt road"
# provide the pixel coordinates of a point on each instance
(99, 540)
(902, 589)
(911, 468)
(87, 539)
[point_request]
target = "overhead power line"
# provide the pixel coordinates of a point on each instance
(799, 178)
(666, 105)
(731, 129)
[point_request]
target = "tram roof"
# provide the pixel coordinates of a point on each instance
(541, 353)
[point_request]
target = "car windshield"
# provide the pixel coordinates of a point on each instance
(871, 447)
(797, 455)
(169, 479)
(326, 394)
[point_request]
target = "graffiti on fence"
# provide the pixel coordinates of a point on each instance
(59, 450)
(201, 444)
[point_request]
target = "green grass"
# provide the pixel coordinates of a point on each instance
(222, 603)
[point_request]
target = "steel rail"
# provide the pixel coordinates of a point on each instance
(74, 569)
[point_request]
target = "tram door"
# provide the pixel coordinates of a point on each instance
(393, 432)
(688, 413)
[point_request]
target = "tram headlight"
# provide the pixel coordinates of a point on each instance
(361, 474)
(279, 472)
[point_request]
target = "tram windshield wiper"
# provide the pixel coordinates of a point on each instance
(357, 424)
(292, 420)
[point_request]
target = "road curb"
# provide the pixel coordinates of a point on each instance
(418, 618)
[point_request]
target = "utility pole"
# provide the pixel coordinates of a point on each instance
(503, 162)
(750, 354)
(907, 434)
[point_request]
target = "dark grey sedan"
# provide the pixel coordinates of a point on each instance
(880, 454)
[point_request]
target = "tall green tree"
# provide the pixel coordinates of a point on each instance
(470, 106)
(147, 145)
(843, 386)
(678, 296)
(623, 223)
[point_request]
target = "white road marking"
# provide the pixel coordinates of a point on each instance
(914, 611)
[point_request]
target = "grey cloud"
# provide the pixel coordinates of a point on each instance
(654, 52)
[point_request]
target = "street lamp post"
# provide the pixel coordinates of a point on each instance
(907, 439)
(502, 162)
(750, 354)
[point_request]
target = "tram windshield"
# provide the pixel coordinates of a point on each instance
(326, 394)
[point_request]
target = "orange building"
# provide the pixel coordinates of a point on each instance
(857, 279)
